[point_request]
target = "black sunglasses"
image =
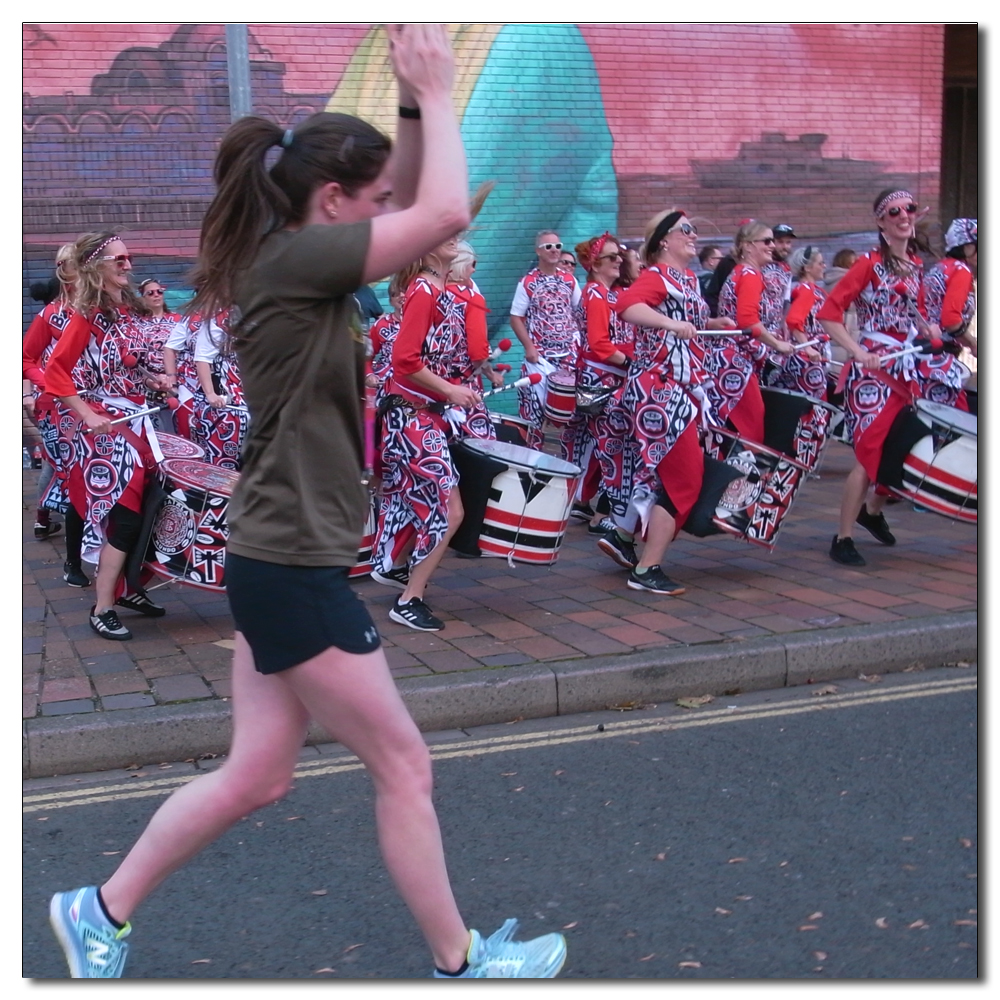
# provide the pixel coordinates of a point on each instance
(896, 211)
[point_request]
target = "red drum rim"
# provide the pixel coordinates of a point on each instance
(756, 446)
(200, 475)
(951, 417)
(525, 459)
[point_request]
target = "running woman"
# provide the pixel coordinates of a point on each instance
(289, 246)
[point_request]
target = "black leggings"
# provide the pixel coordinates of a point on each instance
(124, 526)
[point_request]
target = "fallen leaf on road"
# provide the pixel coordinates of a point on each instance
(742, 899)
(827, 689)
(259, 823)
(624, 706)
(630, 934)
(882, 922)
(909, 868)
(108, 854)
(646, 958)
(783, 864)
(816, 916)
(696, 702)
(687, 965)
(569, 927)
(327, 969)
(820, 956)
(722, 912)
(41, 819)
(965, 842)
(661, 857)
(870, 678)
(138, 774)
(507, 774)
(966, 923)
(560, 771)
(521, 789)
(915, 669)
(735, 861)
(959, 663)
(288, 819)
(132, 767)
(809, 927)
(917, 925)
(225, 643)
(202, 961)
(633, 743)
(166, 767)
(351, 947)
(319, 892)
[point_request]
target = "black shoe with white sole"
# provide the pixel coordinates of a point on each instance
(655, 581)
(581, 512)
(43, 531)
(142, 604)
(602, 527)
(73, 575)
(416, 614)
(398, 577)
(619, 549)
(108, 625)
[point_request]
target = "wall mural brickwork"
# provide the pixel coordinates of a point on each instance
(583, 127)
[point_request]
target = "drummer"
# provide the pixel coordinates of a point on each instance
(543, 317)
(382, 334)
(154, 327)
(89, 375)
(950, 284)
(665, 393)
(886, 284)
(430, 396)
(180, 370)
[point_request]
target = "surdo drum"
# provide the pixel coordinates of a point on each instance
(941, 472)
(519, 508)
(188, 541)
(754, 505)
(796, 424)
(175, 446)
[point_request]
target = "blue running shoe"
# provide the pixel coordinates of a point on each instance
(497, 957)
(94, 947)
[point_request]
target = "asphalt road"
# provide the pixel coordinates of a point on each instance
(805, 833)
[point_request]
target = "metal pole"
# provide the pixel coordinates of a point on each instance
(238, 64)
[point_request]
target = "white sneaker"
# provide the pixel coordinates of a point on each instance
(497, 957)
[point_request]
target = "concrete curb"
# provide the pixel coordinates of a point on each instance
(106, 740)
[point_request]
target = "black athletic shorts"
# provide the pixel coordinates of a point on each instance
(289, 614)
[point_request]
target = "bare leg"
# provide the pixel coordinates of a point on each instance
(855, 491)
(421, 573)
(269, 726)
(355, 699)
(109, 569)
(659, 535)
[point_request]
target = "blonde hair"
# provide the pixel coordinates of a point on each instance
(748, 233)
(461, 266)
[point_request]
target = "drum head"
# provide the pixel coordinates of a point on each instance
(175, 446)
(521, 458)
(190, 472)
(949, 416)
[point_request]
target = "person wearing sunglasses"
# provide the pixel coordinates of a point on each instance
(154, 329)
(543, 317)
(94, 376)
(734, 363)
(950, 285)
(595, 438)
(887, 286)
(665, 394)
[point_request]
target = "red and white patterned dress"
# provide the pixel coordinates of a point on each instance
(153, 332)
(103, 469)
(182, 340)
(383, 334)
(665, 393)
(417, 470)
(949, 295)
(796, 371)
(548, 303)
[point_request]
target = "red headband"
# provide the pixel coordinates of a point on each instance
(596, 247)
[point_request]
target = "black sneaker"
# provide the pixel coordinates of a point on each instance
(581, 512)
(623, 552)
(142, 604)
(73, 575)
(602, 527)
(655, 581)
(842, 550)
(43, 531)
(416, 614)
(398, 577)
(876, 525)
(108, 625)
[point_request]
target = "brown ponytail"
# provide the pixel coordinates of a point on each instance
(251, 202)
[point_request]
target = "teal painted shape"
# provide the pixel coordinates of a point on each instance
(535, 124)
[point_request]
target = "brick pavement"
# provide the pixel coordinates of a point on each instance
(499, 616)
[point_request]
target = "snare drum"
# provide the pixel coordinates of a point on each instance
(175, 446)
(188, 541)
(560, 397)
(511, 429)
(527, 502)
(796, 424)
(941, 472)
(754, 505)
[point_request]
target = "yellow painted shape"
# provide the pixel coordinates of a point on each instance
(368, 88)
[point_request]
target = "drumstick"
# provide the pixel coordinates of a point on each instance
(504, 345)
(134, 416)
(899, 354)
(723, 333)
(533, 379)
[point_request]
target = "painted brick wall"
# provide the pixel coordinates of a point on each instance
(581, 127)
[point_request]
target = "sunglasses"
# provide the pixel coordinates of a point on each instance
(122, 258)
(153, 291)
(896, 211)
(550, 246)
(611, 256)
(769, 242)
(686, 228)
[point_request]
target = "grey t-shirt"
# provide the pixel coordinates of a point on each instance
(300, 500)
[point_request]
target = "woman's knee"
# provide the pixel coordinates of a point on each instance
(252, 787)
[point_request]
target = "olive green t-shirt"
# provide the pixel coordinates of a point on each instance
(299, 341)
